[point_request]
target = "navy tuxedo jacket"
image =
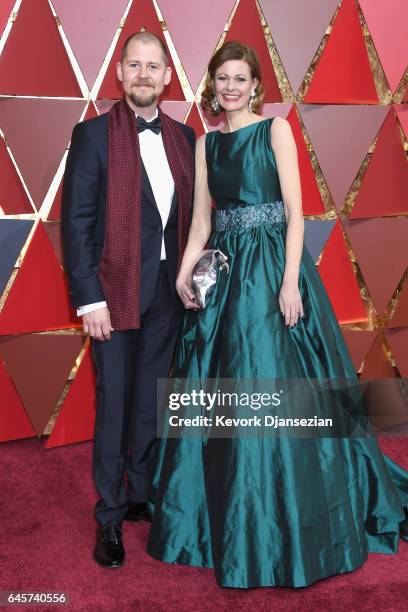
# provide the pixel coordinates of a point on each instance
(83, 218)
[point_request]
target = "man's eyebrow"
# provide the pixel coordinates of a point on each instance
(148, 62)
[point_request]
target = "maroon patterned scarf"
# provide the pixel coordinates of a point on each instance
(120, 264)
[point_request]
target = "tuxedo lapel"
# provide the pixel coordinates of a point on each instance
(148, 191)
(173, 203)
(146, 186)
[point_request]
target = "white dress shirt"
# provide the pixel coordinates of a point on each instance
(162, 183)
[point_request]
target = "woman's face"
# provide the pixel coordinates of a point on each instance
(233, 84)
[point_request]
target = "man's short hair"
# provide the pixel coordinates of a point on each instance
(146, 37)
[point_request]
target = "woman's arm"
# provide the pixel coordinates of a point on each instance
(284, 148)
(200, 229)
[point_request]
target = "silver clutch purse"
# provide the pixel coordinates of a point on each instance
(205, 274)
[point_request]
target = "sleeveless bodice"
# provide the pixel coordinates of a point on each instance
(241, 166)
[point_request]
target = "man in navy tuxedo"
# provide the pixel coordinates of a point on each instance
(128, 360)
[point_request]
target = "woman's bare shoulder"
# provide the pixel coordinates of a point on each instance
(280, 125)
(281, 132)
(201, 140)
(200, 149)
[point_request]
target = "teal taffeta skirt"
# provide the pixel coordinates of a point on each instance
(270, 511)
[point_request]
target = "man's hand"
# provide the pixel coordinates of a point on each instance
(97, 324)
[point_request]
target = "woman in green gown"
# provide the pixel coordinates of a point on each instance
(263, 510)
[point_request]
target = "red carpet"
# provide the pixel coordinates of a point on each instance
(47, 538)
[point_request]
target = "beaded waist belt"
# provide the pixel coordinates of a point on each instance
(248, 216)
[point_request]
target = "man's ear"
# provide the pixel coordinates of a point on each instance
(119, 72)
(167, 76)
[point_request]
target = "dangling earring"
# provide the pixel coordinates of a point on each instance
(215, 104)
(251, 101)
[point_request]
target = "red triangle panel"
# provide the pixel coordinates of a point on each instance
(91, 112)
(14, 422)
(376, 364)
(384, 189)
(380, 248)
(76, 420)
(311, 199)
(343, 74)
(53, 230)
(386, 405)
(358, 343)
(400, 316)
(194, 121)
(55, 210)
(6, 6)
(398, 342)
(338, 277)
(13, 198)
(38, 131)
(34, 61)
(39, 297)
(39, 365)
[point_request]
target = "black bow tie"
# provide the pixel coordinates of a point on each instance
(154, 125)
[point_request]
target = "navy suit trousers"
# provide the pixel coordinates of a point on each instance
(127, 367)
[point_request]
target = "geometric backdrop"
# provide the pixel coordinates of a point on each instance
(337, 70)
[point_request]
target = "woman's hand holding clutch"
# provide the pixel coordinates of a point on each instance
(183, 287)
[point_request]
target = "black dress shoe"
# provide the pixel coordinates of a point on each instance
(109, 550)
(138, 512)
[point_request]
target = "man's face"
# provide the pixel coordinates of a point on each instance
(143, 73)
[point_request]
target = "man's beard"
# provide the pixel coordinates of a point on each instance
(143, 101)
